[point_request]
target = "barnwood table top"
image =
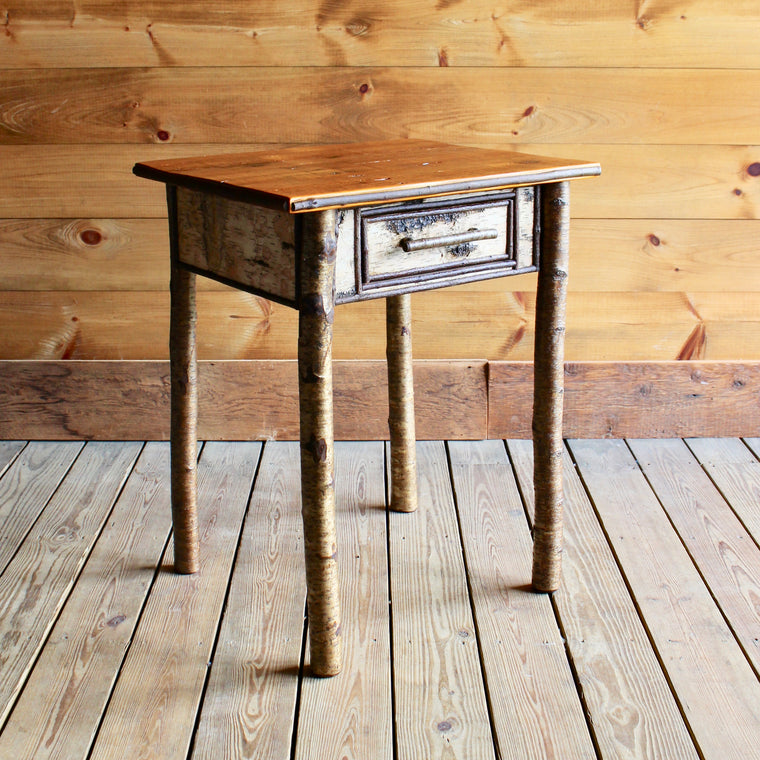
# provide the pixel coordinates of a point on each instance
(306, 178)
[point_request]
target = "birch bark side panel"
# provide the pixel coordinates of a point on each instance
(250, 245)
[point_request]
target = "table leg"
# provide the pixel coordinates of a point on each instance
(184, 413)
(549, 387)
(316, 307)
(401, 403)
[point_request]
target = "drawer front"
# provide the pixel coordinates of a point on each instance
(437, 240)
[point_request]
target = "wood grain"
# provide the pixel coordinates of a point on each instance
(59, 711)
(441, 710)
(734, 468)
(639, 181)
(224, 104)
(532, 695)
(236, 325)
(250, 702)
(447, 324)
(309, 177)
(42, 573)
(722, 549)
(717, 688)
(129, 400)
(26, 487)
(174, 641)
(632, 399)
(632, 711)
(9, 450)
(615, 255)
(350, 716)
(248, 245)
(420, 33)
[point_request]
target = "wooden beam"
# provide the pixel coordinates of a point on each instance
(128, 400)
(670, 399)
(119, 400)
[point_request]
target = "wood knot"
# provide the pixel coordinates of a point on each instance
(317, 447)
(313, 304)
(357, 27)
(90, 237)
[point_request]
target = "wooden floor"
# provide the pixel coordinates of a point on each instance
(651, 648)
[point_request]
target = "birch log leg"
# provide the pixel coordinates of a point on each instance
(184, 413)
(549, 387)
(316, 306)
(401, 403)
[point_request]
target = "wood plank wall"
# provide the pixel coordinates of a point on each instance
(665, 259)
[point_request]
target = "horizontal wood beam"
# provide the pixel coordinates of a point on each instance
(238, 400)
(669, 399)
(245, 400)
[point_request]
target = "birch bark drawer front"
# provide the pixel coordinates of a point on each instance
(446, 240)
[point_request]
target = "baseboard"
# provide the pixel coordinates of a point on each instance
(675, 399)
(246, 400)
(237, 400)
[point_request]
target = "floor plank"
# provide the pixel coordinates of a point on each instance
(250, 703)
(350, 717)
(26, 487)
(59, 710)
(632, 711)
(441, 710)
(9, 450)
(153, 708)
(105, 653)
(725, 554)
(735, 470)
(534, 701)
(38, 580)
(717, 689)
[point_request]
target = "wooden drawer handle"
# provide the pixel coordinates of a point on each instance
(409, 245)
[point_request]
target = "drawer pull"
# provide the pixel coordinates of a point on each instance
(409, 245)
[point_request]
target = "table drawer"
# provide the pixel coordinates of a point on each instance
(439, 240)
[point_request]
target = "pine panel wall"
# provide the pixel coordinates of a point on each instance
(665, 95)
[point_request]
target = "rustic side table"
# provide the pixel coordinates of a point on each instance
(316, 226)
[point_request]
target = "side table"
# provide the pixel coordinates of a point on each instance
(316, 226)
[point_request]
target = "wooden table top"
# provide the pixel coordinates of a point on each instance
(313, 177)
